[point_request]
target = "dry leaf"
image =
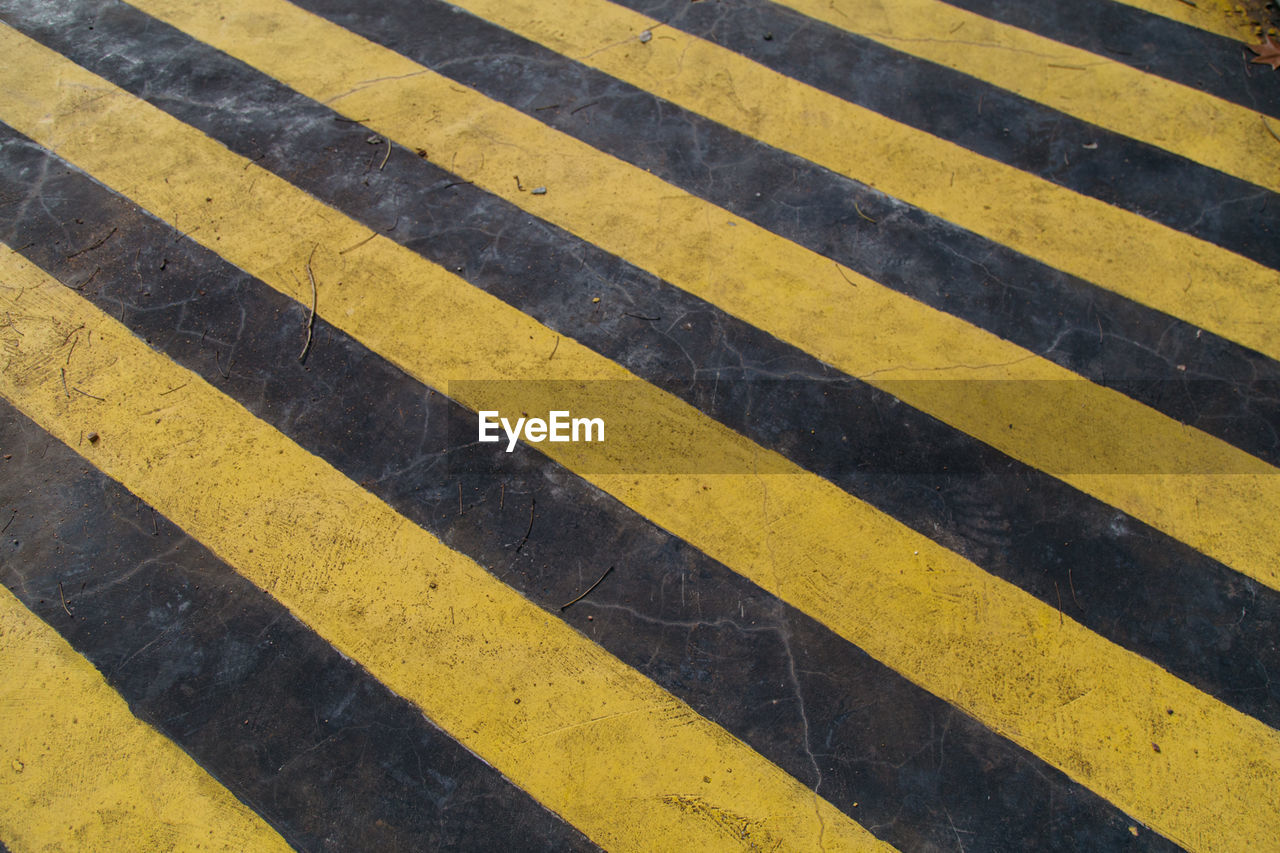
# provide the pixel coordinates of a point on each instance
(1268, 53)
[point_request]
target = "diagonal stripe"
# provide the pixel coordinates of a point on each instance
(1068, 428)
(1219, 17)
(80, 772)
(1098, 90)
(793, 703)
(1111, 562)
(327, 755)
(1078, 701)
(426, 621)
(1153, 44)
(911, 251)
(1213, 288)
(979, 116)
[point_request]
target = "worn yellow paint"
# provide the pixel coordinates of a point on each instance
(1082, 703)
(582, 732)
(1088, 436)
(1109, 94)
(1176, 273)
(79, 772)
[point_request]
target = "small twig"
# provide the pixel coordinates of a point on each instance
(454, 184)
(350, 120)
(65, 390)
(63, 599)
(386, 156)
(502, 498)
(95, 245)
(554, 348)
(82, 285)
(533, 502)
(860, 213)
(585, 594)
(70, 351)
(87, 394)
(10, 521)
(840, 270)
(171, 390)
(1269, 130)
(641, 317)
(69, 334)
(217, 359)
(980, 98)
(519, 188)
(459, 497)
(584, 106)
(1059, 592)
(13, 325)
(358, 245)
(1190, 3)
(1072, 584)
(547, 107)
(311, 320)
(155, 528)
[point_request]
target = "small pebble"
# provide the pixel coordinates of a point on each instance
(645, 36)
(93, 437)
(539, 190)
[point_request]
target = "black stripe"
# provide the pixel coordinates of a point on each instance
(304, 736)
(1084, 328)
(1151, 43)
(870, 741)
(1058, 542)
(991, 121)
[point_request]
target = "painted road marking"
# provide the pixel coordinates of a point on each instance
(990, 648)
(426, 621)
(1220, 17)
(1169, 115)
(1204, 284)
(79, 771)
(1226, 513)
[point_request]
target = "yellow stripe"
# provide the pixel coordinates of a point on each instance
(1221, 17)
(1063, 427)
(624, 761)
(1176, 273)
(1080, 702)
(1169, 115)
(79, 772)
